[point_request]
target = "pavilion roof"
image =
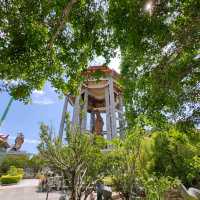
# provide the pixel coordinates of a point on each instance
(101, 68)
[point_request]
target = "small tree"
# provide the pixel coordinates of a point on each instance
(176, 154)
(129, 168)
(124, 158)
(80, 160)
(36, 163)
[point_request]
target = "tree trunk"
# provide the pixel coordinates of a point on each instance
(73, 187)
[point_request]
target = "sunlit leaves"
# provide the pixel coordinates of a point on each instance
(163, 78)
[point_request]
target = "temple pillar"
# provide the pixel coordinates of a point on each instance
(112, 108)
(61, 129)
(121, 117)
(108, 127)
(97, 96)
(76, 112)
(84, 112)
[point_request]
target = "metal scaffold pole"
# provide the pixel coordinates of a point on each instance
(6, 111)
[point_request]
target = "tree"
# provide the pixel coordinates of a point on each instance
(160, 59)
(80, 160)
(19, 161)
(36, 163)
(129, 168)
(50, 40)
(54, 40)
(124, 158)
(176, 154)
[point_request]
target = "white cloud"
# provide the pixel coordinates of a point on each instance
(30, 141)
(38, 92)
(43, 101)
(40, 97)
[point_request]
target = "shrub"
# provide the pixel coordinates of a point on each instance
(156, 187)
(20, 171)
(13, 171)
(176, 154)
(19, 161)
(36, 164)
(8, 179)
(108, 181)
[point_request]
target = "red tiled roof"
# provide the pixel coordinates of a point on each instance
(101, 68)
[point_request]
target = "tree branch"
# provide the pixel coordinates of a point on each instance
(61, 22)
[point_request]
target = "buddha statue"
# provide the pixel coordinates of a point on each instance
(98, 127)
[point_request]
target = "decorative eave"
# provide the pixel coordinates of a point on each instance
(105, 70)
(106, 73)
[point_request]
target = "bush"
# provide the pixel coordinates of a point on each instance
(19, 161)
(14, 175)
(36, 164)
(176, 154)
(156, 187)
(13, 171)
(8, 179)
(20, 171)
(108, 181)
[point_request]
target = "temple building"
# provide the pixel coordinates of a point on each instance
(98, 107)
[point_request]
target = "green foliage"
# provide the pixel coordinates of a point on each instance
(80, 160)
(130, 169)
(14, 175)
(140, 164)
(159, 48)
(19, 161)
(99, 142)
(13, 171)
(36, 163)
(156, 187)
(124, 160)
(50, 40)
(108, 181)
(9, 179)
(176, 154)
(160, 64)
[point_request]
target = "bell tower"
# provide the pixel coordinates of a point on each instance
(98, 107)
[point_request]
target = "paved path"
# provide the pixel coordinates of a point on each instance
(23, 183)
(25, 190)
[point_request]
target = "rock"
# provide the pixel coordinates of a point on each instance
(195, 192)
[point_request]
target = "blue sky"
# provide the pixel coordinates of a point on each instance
(46, 107)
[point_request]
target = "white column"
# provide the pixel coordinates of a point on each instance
(112, 108)
(76, 112)
(62, 123)
(84, 111)
(108, 127)
(121, 117)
